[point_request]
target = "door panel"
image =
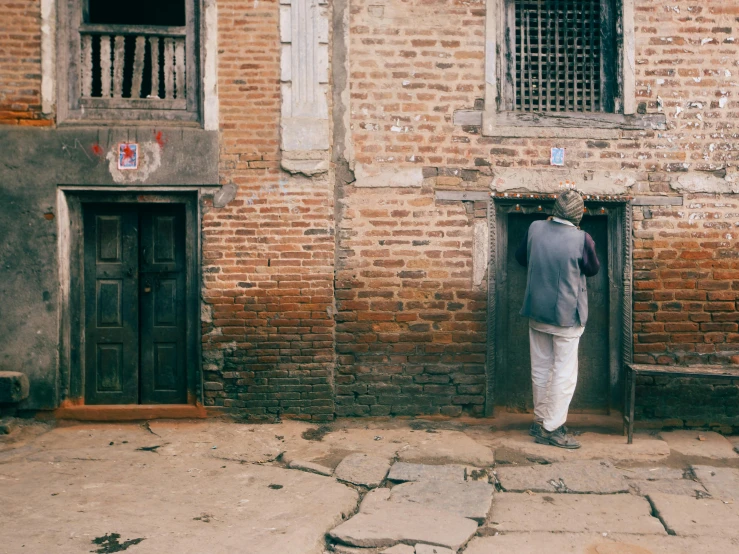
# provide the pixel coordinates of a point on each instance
(513, 384)
(111, 305)
(513, 374)
(593, 377)
(163, 305)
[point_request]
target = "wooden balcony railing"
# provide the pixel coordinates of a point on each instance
(134, 67)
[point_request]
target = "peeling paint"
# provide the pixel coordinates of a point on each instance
(480, 252)
(696, 182)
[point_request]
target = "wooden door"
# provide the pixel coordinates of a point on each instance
(513, 365)
(593, 356)
(111, 305)
(162, 293)
(135, 309)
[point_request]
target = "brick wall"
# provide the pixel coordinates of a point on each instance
(400, 320)
(413, 63)
(268, 256)
(410, 333)
(686, 282)
(20, 64)
(686, 306)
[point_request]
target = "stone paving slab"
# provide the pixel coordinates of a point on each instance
(428, 549)
(400, 549)
(597, 477)
(405, 523)
(374, 499)
(686, 487)
(688, 443)
(344, 549)
(402, 471)
(363, 469)
(185, 505)
(470, 499)
(514, 444)
(591, 543)
(690, 516)
(720, 482)
(311, 467)
(447, 447)
(572, 513)
(651, 473)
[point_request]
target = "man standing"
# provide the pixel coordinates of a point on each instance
(559, 257)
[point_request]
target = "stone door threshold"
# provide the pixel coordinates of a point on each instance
(130, 412)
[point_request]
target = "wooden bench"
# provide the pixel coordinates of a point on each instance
(694, 371)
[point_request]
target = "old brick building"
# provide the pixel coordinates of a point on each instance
(308, 209)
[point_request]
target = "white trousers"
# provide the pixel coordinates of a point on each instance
(553, 375)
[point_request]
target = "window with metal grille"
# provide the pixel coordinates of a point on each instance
(562, 55)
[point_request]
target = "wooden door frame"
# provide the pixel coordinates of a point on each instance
(619, 213)
(72, 324)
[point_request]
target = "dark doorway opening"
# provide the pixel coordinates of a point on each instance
(602, 349)
(135, 306)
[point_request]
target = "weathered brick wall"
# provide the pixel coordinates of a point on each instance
(20, 63)
(410, 331)
(413, 63)
(685, 257)
(686, 282)
(686, 306)
(268, 255)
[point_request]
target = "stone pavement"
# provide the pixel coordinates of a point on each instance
(398, 486)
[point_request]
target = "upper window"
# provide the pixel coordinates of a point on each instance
(562, 54)
(132, 62)
(560, 67)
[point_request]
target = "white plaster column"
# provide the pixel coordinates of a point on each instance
(210, 66)
(304, 76)
(48, 56)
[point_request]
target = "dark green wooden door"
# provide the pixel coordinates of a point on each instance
(513, 372)
(134, 304)
(111, 305)
(162, 293)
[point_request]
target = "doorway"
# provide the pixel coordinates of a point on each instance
(134, 293)
(602, 350)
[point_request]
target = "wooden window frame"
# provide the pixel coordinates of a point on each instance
(72, 108)
(498, 119)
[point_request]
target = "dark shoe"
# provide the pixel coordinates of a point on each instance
(536, 430)
(558, 437)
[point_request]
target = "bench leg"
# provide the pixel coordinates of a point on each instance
(626, 404)
(632, 401)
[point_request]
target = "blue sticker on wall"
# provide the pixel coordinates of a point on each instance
(557, 157)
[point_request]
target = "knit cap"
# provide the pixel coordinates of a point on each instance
(569, 206)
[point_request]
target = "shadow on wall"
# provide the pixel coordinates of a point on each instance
(28, 289)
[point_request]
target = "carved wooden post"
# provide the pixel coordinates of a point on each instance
(118, 62)
(169, 68)
(179, 75)
(86, 65)
(154, 48)
(138, 67)
(105, 66)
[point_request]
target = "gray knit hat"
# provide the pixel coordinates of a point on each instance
(569, 206)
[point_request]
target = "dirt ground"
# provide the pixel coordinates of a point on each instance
(220, 486)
